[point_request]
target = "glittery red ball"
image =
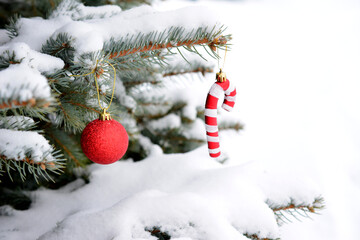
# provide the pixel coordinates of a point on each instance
(104, 142)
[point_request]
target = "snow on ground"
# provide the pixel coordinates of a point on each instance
(188, 195)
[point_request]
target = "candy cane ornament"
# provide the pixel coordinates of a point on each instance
(221, 87)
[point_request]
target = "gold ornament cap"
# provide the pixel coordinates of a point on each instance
(104, 115)
(220, 76)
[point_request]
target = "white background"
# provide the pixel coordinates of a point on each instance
(296, 67)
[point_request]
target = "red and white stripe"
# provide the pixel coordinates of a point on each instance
(217, 90)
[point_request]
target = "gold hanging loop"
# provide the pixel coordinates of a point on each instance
(103, 115)
(221, 76)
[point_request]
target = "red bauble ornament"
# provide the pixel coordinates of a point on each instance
(104, 141)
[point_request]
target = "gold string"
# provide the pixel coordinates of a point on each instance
(113, 89)
(86, 74)
(225, 56)
(97, 85)
(219, 58)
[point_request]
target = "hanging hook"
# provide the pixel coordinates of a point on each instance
(103, 115)
(221, 76)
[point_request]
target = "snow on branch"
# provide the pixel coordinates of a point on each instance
(18, 52)
(59, 46)
(292, 210)
(80, 36)
(285, 212)
(25, 150)
(22, 86)
(78, 11)
(135, 30)
(22, 83)
(17, 123)
(175, 43)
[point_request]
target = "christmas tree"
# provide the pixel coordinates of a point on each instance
(57, 74)
(55, 71)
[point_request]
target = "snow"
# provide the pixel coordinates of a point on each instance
(150, 148)
(189, 88)
(170, 121)
(188, 195)
(35, 31)
(189, 112)
(17, 122)
(195, 130)
(89, 35)
(33, 84)
(295, 66)
(32, 145)
(34, 59)
(4, 37)
(26, 73)
(78, 11)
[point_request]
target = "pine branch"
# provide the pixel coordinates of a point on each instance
(75, 10)
(132, 56)
(29, 103)
(12, 28)
(69, 145)
(293, 209)
(66, 150)
(8, 58)
(146, 49)
(22, 123)
(33, 108)
(36, 168)
(221, 40)
(60, 46)
(127, 55)
(67, 8)
(24, 91)
(197, 70)
(77, 99)
(84, 106)
(15, 103)
(74, 116)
